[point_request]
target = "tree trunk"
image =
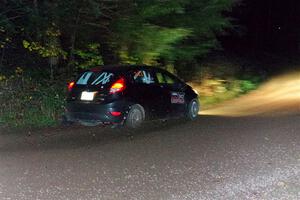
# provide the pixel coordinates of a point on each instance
(73, 42)
(71, 56)
(108, 55)
(35, 4)
(2, 57)
(51, 72)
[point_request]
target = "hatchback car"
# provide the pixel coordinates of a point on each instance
(129, 95)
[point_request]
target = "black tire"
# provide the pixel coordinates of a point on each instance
(135, 117)
(193, 109)
(65, 121)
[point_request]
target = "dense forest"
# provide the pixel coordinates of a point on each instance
(58, 36)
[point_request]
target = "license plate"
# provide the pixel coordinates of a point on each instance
(87, 96)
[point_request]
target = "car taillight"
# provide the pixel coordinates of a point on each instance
(118, 86)
(115, 113)
(71, 85)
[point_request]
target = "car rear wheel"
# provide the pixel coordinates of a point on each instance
(193, 109)
(135, 117)
(65, 121)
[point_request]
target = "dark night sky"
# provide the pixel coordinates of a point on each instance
(265, 25)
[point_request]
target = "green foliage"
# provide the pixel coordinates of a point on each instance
(31, 103)
(143, 31)
(172, 30)
(51, 47)
(90, 57)
(46, 51)
(149, 44)
(247, 85)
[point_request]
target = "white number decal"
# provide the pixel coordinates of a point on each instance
(147, 77)
(84, 78)
(102, 78)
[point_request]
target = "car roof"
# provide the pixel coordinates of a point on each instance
(121, 68)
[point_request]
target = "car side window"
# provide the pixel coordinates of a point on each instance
(163, 78)
(142, 76)
(170, 80)
(160, 78)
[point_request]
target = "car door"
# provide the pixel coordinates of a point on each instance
(144, 91)
(172, 93)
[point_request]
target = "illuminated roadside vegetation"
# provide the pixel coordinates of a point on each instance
(216, 91)
(221, 79)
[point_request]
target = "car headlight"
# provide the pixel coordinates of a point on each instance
(195, 91)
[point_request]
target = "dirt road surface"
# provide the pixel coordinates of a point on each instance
(210, 158)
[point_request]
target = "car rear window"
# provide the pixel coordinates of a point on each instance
(95, 78)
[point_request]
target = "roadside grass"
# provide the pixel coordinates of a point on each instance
(30, 103)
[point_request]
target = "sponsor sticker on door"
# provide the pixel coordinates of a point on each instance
(177, 97)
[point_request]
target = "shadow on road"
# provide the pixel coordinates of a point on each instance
(76, 136)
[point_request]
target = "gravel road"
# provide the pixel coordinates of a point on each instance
(209, 158)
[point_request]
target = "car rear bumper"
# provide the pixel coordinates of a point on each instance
(91, 112)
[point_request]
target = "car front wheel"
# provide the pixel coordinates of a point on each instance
(193, 109)
(135, 117)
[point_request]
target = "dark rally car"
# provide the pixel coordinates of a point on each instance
(129, 95)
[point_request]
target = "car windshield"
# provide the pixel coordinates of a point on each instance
(95, 78)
